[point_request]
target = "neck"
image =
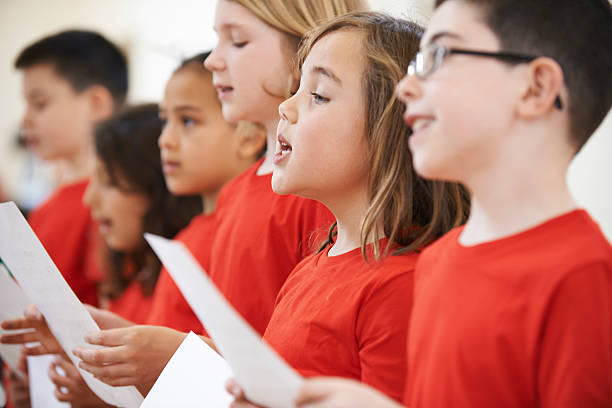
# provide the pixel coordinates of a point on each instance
(75, 167)
(209, 201)
(512, 196)
(349, 210)
(268, 164)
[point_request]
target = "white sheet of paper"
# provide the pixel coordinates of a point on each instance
(266, 378)
(13, 302)
(194, 376)
(44, 285)
(41, 386)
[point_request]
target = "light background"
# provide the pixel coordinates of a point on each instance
(157, 34)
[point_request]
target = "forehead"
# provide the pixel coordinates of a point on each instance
(463, 22)
(190, 84)
(340, 51)
(42, 77)
(229, 14)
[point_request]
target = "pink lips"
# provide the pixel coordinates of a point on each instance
(284, 151)
(223, 91)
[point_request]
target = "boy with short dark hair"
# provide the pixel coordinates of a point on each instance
(515, 308)
(71, 80)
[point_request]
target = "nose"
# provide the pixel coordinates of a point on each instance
(408, 88)
(168, 138)
(287, 110)
(215, 61)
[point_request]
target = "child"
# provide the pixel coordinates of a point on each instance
(515, 309)
(200, 153)
(345, 311)
(72, 80)
(127, 195)
(261, 236)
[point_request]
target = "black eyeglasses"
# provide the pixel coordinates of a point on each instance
(430, 58)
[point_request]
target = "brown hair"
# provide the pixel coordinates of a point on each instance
(127, 146)
(410, 211)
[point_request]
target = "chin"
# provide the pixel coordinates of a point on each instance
(231, 113)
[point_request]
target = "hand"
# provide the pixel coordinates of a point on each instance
(70, 386)
(133, 355)
(32, 319)
(328, 392)
(18, 388)
(240, 400)
(106, 319)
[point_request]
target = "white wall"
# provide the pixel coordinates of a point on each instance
(157, 34)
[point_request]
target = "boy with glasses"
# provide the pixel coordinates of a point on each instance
(515, 308)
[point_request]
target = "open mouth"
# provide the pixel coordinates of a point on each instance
(104, 225)
(283, 151)
(223, 90)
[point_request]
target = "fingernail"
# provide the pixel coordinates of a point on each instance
(235, 389)
(92, 337)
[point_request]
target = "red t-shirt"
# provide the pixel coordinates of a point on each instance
(260, 238)
(523, 321)
(64, 226)
(132, 304)
(170, 309)
(340, 316)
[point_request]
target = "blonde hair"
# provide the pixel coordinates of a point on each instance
(297, 17)
(407, 209)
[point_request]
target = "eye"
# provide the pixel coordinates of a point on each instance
(187, 121)
(318, 99)
(39, 104)
(163, 121)
(240, 44)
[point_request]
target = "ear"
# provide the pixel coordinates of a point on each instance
(544, 85)
(250, 141)
(101, 102)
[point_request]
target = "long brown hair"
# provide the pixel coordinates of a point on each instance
(410, 211)
(127, 146)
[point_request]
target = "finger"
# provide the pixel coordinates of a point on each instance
(108, 355)
(59, 380)
(17, 323)
(62, 396)
(121, 381)
(33, 314)
(19, 338)
(69, 369)
(37, 350)
(234, 389)
(109, 372)
(108, 338)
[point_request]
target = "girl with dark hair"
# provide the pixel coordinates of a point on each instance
(128, 196)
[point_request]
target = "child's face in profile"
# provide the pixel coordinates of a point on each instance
(321, 151)
(56, 123)
(462, 113)
(251, 65)
(198, 146)
(118, 211)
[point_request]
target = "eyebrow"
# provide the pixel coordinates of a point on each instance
(326, 72)
(442, 34)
